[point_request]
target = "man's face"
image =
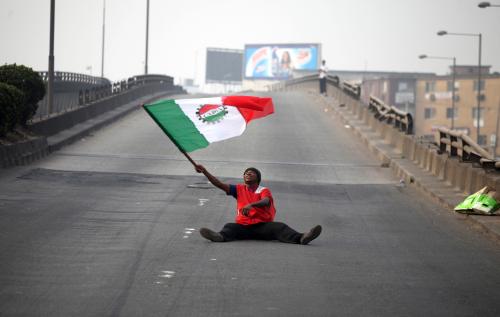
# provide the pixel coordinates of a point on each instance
(250, 177)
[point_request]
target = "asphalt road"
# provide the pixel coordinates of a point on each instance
(109, 227)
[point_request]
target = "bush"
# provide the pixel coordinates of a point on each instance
(11, 103)
(29, 82)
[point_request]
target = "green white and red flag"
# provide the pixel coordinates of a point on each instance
(193, 124)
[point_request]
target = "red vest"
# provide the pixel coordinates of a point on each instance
(246, 196)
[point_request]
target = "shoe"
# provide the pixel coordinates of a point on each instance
(211, 235)
(311, 235)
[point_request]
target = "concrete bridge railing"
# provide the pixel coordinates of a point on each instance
(403, 121)
(103, 107)
(467, 172)
(72, 90)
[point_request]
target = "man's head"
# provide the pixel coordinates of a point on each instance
(323, 62)
(251, 175)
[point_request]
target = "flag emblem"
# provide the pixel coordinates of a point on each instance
(211, 113)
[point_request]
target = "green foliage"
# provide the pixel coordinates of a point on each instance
(11, 103)
(29, 82)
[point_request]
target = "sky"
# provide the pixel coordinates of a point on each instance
(372, 35)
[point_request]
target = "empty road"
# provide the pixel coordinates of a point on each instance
(109, 227)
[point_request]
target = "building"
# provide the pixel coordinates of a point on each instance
(393, 88)
(434, 107)
(429, 99)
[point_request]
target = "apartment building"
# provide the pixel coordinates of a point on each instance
(434, 107)
(395, 89)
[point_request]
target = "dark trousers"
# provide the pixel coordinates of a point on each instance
(322, 85)
(260, 231)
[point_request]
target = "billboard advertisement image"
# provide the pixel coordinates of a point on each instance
(278, 61)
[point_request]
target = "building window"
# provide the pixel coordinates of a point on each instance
(482, 139)
(475, 85)
(449, 113)
(474, 113)
(402, 86)
(430, 86)
(449, 85)
(429, 113)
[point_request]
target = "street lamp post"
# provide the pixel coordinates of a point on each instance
(484, 5)
(479, 35)
(103, 36)
(423, 56)
(147, 39)
(50, 86)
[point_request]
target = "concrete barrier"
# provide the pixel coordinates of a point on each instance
(463, 176)
(25, 152)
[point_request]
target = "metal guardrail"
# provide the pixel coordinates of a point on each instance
(72, 90)
(351, 89)
(392, 115)
(458, 144)
(74, 77)
(452, 142)
(333, 80)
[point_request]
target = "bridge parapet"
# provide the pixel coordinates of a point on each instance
(456, 143)
(403, 121)
(72, 90)
(74, 77)
(455, 160)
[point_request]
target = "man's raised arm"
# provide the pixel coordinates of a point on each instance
(214, 180)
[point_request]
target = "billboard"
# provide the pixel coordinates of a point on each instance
(277, 61)
(224, 66)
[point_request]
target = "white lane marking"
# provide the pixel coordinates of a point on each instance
(272, 308)
(188, 232)
(202, 201)
(167, 274)
(213, 259)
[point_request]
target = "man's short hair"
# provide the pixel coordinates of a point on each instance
(256, 171)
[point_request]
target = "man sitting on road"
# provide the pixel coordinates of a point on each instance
(254, 213)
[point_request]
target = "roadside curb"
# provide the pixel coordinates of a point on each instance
(412, 174)
(23, 152)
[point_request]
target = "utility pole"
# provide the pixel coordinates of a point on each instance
(479, 90)
(147, 39)
(103, 36)
(50, 86)
(496, 130)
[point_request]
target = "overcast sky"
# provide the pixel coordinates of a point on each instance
(355, 34)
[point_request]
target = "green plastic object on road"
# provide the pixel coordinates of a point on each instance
(483, 202)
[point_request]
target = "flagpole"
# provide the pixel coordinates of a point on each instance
(182, 151)
(189, 158)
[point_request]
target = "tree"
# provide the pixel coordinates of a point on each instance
(11, 103)
(31, 85)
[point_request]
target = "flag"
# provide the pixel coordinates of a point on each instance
(193, 124)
